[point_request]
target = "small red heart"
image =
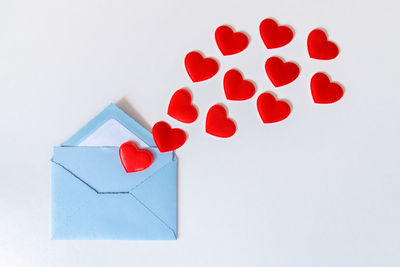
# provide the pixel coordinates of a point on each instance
(323, 91)
(134, 159)
(200, 68)
(272, 110)
(181, 108)
(230, 42)
(236, 88)
(167, 138)
(275, 36)
(319, 47)
(281, 73)
(218, 123)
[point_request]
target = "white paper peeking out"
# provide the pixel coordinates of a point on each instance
(112, 133)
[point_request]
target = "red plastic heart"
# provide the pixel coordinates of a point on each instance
(230, 42)
(281, 73)
(319, 47)
(323, 90)
(236, 88)
(200, 68)
(134, 159)
(273, 35)
(218, 123)
(181, 108)
(272, 110)
(167, 138)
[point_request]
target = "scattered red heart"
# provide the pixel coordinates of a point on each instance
(319, 47)
(200, 68)
(323, 90)
(134, 159)
(281, 73)
(236, 88)
(218, 123)
(230, 42)
(272, 110)
(181, 108)
(273, 35)
(167, 138)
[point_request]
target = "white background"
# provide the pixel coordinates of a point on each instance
(320, 189)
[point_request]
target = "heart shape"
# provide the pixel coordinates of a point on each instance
(230, 42)
(323, 90)
(134, 159)
(319, 47)
(200, 68)
(218, 123)
(180, 107)
(281, 73)
(167, 138)
(272, 110)
(273, 35)
(236, 88)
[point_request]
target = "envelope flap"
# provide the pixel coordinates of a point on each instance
(101, 168)
(112, 112)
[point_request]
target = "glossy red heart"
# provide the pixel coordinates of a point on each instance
(236, 88)
(281, 73)
(272, 110)
(181, 108)
(167, 138)
(200, 68)
(319, 47)
(134, 159)
(323, 90)
(273, 35)
(218, 123)
(230, 42)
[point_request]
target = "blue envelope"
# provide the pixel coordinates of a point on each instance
(94, 198)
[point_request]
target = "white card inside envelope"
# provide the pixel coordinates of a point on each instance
(112, 133)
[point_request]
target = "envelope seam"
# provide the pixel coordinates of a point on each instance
(148, 178)
(91, 187)
(154, 214)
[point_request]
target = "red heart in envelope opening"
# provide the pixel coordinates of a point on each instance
(134, 159)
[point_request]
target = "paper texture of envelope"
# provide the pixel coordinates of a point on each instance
(94, 198)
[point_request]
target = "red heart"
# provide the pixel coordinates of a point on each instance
(272, 110)
(167, 138)
(181, 108)
(236, 88)
(230, 42)
(319, 47)
(275, 36)
(323, 91)
(200, 68)
(281, 73)
(134, 159)
(218, 123)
